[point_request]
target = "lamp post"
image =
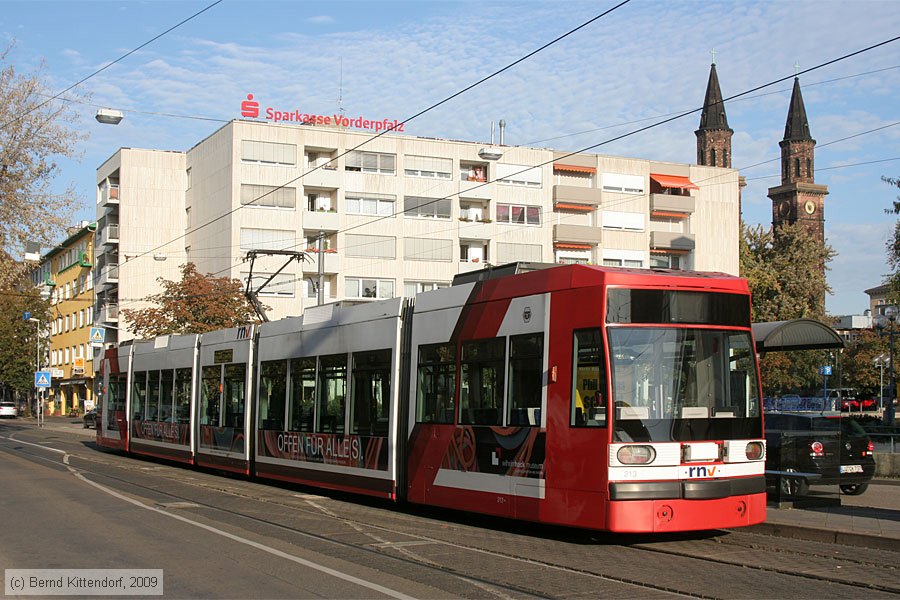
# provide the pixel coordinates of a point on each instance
(879, 362)
(37, 367)
(882, 322)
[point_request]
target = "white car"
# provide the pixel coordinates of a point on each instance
(8, 410)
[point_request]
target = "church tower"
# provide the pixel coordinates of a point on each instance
(714, 135)
(798, 198)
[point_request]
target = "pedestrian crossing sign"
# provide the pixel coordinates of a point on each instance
(98, 336)
(42, 379)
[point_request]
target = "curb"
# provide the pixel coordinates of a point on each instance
(846, 538)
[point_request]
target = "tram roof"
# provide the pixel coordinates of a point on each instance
(796, 334)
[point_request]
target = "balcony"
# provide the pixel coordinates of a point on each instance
(577, 196)
(321, 220)
(109, 194)
(109, 275)
(109, 313)
(327, 177)
(331, 265)
(668, 240)
(584, 234)
(668, 203)
(476, 190)
(476, 229)
(109, 234)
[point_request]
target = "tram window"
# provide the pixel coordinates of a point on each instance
(436, 383)
(152, 413)
(588, 380)
(235, 394)
(371, 393)
(166, 396)
(332, 394)
(526, 378)
(481, 383)
(210, 394)
(272, 394)
(303, 394)
(139, 395)
(183, 395)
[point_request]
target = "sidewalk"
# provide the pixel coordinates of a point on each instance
(871, 520)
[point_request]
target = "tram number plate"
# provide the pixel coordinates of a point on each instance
(851, 469)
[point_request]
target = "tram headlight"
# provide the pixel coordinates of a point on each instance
(636, 455)
(755, 450)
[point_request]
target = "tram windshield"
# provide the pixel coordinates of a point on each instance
(680, 384)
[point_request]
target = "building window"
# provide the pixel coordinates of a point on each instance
(629, 221)
(712, 156)
(368, 288)
(187, 175)
(319, 201)
(370, 204)
(523, 175)
(430, 249)
(797, 167)
(430, 208)
(267, 239)
(282, 285)
(626, 184)
(809, 172)
(665, 261)
(371, 162)
(367, 246)
(268, 196)
(518, 214)
(268, 153)
(508, 252)
(411, 288)
(428, 166)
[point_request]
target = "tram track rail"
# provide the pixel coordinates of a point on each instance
(707, 549)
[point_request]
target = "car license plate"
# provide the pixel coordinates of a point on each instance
(851, 469)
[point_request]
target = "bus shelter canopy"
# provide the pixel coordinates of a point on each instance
(796, 334)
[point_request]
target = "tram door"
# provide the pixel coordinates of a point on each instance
(223, 409)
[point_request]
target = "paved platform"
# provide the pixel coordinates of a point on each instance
(870, 520)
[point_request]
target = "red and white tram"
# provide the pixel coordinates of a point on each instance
(601, 398)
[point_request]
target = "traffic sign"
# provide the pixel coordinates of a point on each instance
(98, 336)
(42, 379)
(26, 315)
(825, 370)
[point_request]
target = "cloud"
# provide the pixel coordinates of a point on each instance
(320, 20)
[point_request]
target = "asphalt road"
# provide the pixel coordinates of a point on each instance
(66, 504)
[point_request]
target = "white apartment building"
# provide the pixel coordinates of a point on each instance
(399, 214)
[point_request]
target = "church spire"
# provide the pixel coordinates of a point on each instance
(797, 126)
(714, 135)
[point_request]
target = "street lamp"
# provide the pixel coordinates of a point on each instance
(882, 322)
(37, 363)
(879, 362)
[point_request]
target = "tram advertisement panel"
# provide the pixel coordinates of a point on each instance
(226, 439)
(158, 431)
(511, 451)
(361, 452)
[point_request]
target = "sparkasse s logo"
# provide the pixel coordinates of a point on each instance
(249, 107)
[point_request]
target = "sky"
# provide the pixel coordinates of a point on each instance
(641, 63)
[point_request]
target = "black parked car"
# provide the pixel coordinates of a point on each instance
(804, 449)
(90, 419)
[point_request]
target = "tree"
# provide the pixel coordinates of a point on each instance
(20, 340)
(34, 134)
(893, 247)
(785, 270)
(196, 304)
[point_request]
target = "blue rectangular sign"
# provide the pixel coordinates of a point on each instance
(825, 370)
(42, 379)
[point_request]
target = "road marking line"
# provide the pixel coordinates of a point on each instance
(12, 439)
(300, 561)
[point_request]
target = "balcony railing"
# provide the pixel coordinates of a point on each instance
(109, 194)
(110, 313)
(109, 234)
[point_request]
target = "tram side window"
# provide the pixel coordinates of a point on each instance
(235, 394)
(272, 394)
(588, 380)
(303, 394)
(436, 383)
(210, 395)
(332, 393)
(371, 393)
(183, 379)
(481, 383)
(526, 378)
(152, 413)
(139, 395)
(166, 397)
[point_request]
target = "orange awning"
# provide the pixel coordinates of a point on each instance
(666, 213)
(668, 251)
(673, 181)
(571, 206)
(573, 168)
(568, 246)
